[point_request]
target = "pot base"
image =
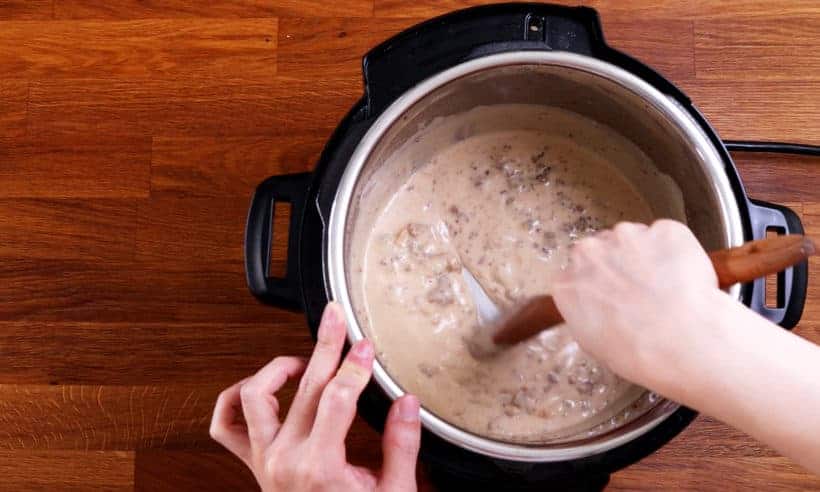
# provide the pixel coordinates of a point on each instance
(446, 479)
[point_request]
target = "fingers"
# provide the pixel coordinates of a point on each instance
(668, 225)
(323, 363)
(629, 228)
(589, 250)
(582, 257)
(604, 235)
(400, 445)
(337, 406)
(678, 241)
(224, 428)
(259, 404)
(673, 230)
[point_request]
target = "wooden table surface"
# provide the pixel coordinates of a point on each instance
(131, 136)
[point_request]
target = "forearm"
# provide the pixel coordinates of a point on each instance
(743, 370)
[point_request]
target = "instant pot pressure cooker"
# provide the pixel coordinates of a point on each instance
(500, 54)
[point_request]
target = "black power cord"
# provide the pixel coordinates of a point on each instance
(771, 147)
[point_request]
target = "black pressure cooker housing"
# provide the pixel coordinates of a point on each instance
(389, 70)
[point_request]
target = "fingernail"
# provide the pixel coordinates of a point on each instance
(329, 320)
(331, 313)
(409, 409)
(363, 349)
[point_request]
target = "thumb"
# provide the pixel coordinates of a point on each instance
(400, 445)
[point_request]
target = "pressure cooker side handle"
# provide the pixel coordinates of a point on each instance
(284, 291)
(792, 283)
(428, 48)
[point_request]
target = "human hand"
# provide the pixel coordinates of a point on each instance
(307, 451)
(632, 296)
(644, 300)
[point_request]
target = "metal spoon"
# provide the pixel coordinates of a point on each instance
(488, 312)
(480, 344)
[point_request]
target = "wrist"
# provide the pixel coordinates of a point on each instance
(685, 340)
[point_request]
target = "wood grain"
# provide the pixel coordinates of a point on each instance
(67, 229)
(747, 49)
(635, 9)
(189, 107)
(632, 9)
(649, 43)
(779, 179)
(26, 9)
(13, 111)
(170, 471)
(164, 9)
(139, 49)
(314, 48)
(759, 110)
(71, 290)
(36, 167)
(192, 234)
(703, 473)
(751, 9)
(132, 134)
(74, 471)
(92, 353)
(96, 417)
(227, 166)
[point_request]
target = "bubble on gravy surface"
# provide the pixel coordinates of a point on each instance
(507, 205)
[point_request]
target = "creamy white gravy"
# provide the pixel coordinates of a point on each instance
(507, 205)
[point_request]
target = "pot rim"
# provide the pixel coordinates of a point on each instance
(337, 279)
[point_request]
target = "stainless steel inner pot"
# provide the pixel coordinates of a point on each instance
(590, 87)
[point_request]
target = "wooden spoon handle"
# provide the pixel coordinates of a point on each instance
(757, 259)
(744, 263)
(534, 315)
